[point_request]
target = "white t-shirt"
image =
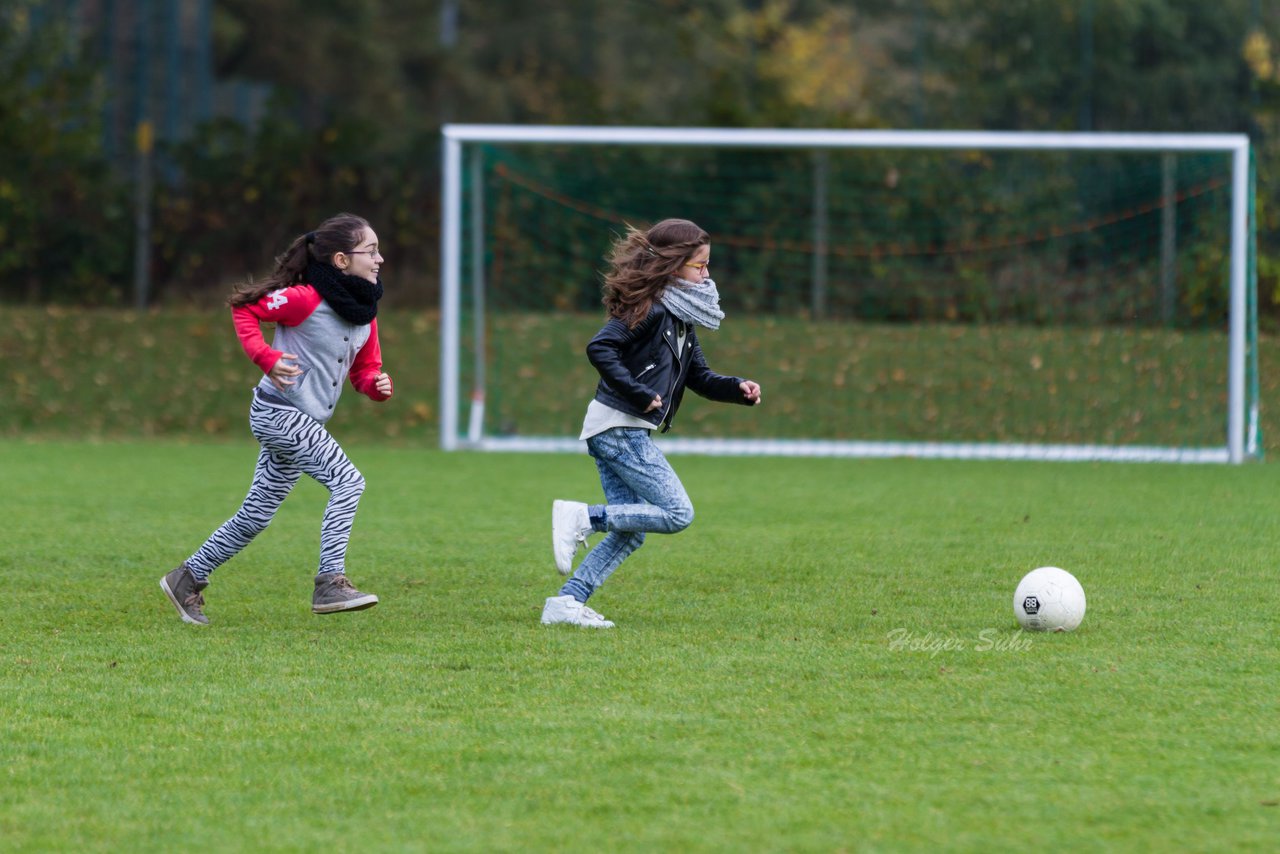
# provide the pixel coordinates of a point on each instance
(601, 417)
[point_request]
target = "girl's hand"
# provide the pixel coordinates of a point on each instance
(282, 370)
(656, 403)
(750, 391)
(383, 385)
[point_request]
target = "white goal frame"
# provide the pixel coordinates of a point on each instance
(1241, 431)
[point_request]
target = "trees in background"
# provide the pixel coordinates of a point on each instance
(359, 89)
(63, 222)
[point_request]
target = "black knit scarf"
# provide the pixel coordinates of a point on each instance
(353, 298)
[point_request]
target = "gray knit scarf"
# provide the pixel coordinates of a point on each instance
(694, 303)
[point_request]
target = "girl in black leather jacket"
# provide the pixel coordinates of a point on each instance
(657, 292)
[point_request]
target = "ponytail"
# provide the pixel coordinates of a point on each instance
(339, 233)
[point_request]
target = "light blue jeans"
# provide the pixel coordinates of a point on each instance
(642, 494)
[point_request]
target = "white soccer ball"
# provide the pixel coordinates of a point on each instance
(1049, 599)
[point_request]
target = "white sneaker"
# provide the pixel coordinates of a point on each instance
(570, 527)
(566, 609)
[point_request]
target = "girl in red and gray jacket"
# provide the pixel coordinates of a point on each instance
(323, 298)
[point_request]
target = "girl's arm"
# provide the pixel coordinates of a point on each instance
(366, 371)
(605, 354)
(287, 306)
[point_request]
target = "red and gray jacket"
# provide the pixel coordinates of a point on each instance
(327, 348)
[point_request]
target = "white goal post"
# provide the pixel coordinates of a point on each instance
(1240, 439)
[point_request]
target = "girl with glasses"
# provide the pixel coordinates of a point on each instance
(323, 299)
(657, 294)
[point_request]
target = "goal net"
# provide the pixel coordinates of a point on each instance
(929, 294)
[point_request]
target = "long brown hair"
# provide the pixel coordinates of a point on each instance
(642, 263)
(340, 233)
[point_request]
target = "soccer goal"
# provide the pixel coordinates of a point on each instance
(1054, 296)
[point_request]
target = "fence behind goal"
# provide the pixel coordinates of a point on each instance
(1053, 296)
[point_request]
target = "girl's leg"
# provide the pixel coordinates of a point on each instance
(642, 493)
(609, 553)
(273, 478)
(657, 501)
(310, 449)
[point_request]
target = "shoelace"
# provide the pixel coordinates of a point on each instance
(587, 612)
(195, 599)
(343, 582)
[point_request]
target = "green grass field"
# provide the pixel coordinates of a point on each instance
(826, 661)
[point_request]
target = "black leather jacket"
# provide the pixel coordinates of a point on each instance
(638, 364)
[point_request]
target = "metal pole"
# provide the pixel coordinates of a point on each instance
(1085, 121)
(1168, 237)
(917, 105)
(203, 61)
(1253, 437)
(448, 41)
(800, 138)
(172, 83)
(449, 23)
(111, 58)
(475, 428)
(1239, 265)
(821, 225)
(144, 138)
(450, 278)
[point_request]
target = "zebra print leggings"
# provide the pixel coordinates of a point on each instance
(293, 444)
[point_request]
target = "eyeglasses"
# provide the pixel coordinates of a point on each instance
(700, 266)
(363, 252)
